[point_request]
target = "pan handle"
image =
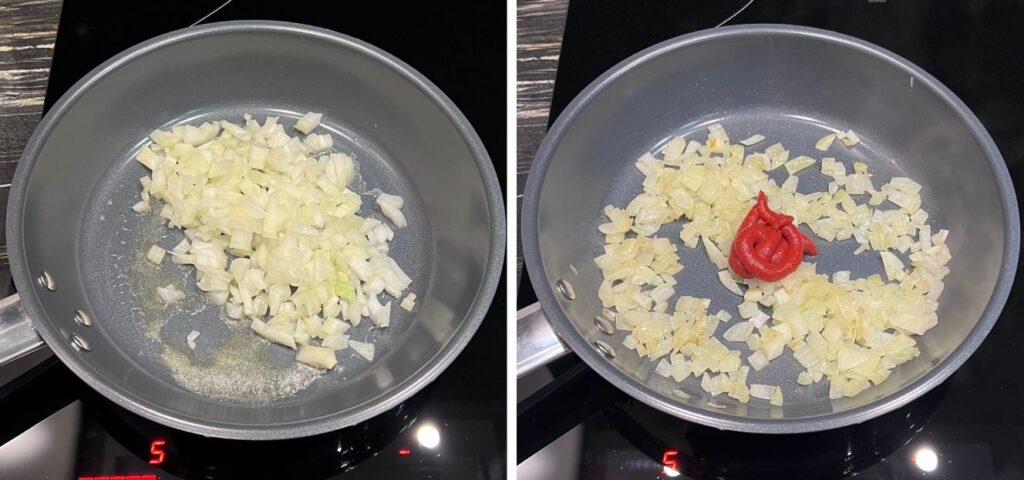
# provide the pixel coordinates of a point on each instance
(17, 337)
(536, 343)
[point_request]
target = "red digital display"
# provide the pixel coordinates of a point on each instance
(120, 477)
(156, 452)
(669, 463)
(404, 451)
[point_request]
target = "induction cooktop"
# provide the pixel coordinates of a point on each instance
(577, 425)
(57, 427)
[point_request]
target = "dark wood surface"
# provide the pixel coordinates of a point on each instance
(28, 30)
(539, 41)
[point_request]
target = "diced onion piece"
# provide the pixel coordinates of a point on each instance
(190, 340)
(738, 332)
(681, 394)
(748, 309)
(335, 341)
(409, 302)
(752, 140)
(196, 136)
(273, 333)
(663, 369)
(317, 143)
(362, 348)
(825, 142)
(308, 122)
(233, 311)
(391, 207)
(730, 283)
(893, 266)
(799, 163)
(318, 357)
(757, 360)
(141, 207)
(715, 254)
(170, 294)
(764, 392)
(759, 318)
(380, 315)
(777, 396)
(849, 138)
(789, 186)
(155, 255)
(328, 326)
(148, 157)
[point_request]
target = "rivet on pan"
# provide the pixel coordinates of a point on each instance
(46, 281)
(605, 349)
(604, 325)
(83, 318)
(79, 343)
(565, 288)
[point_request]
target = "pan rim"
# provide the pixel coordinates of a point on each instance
(638, 390)
(301, 428)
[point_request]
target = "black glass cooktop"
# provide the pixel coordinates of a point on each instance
(56, 427)
(971, 427)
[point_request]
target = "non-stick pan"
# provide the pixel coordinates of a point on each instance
(792, 85)
(75, 244)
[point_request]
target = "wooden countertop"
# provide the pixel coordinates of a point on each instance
(539, 27)
(28, 30)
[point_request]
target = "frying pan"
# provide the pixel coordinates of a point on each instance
(793, 85)
(75, 244)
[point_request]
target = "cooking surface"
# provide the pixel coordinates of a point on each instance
(455, 428)
(969, 427)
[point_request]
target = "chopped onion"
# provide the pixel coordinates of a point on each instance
(852, 332)
(739, 332)
(799, 163)
(335, 341)
(191, 339)
(752, 140)
(725, 277)
(825, 142)
(759, 318)
(273, 333)
(893, 266)
(317, 143)
(362, 348)
(715, 254)
(757, 360)
(155, 255)
(308, 122)
(764, 392)
(409, 302)
(170, 294)
(318, 357)
(681, 394)
(273, 232)
(848, 138)
(748, 309)
(391, 207)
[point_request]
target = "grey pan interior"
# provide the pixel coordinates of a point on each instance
(69, 215)
(792, 85)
